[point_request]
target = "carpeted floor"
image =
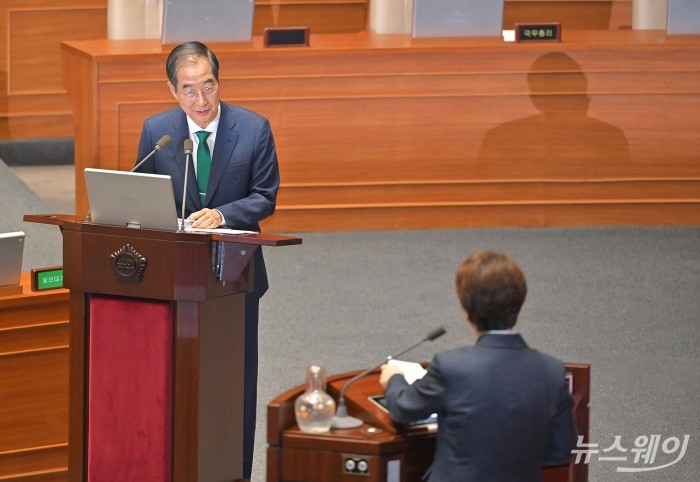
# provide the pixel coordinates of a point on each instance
(624, 299)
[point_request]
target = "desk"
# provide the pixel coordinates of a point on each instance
(295, 456)
(34, 383)
(386, 132)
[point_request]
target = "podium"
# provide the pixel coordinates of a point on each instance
(380, 450)
(156, 350)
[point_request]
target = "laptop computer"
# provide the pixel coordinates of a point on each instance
(457, 18)
(208, 21)
(131, 199)
(11, 253)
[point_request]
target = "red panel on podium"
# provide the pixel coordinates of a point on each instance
(130, 389)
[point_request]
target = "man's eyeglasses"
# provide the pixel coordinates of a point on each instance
(206, 91)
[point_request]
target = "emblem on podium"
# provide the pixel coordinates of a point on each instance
(128, 264)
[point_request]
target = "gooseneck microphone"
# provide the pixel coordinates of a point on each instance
(188, 152)
(161, 144)
(342, 419)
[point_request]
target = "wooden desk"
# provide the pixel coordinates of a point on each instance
(572, 14)
(384, 132)
(34, 384)
(293, 455)
(33, 101)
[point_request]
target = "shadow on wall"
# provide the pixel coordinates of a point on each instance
(561, 140)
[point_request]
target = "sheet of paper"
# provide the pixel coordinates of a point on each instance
(218, 230)
(411, 371)
(190, 229)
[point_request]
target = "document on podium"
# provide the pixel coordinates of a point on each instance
(411, 371)
(190, 229)
(219, 231)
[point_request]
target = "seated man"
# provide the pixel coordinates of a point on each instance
(504, 409)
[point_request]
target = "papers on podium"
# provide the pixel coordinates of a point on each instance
(411, 371)
(190, 229)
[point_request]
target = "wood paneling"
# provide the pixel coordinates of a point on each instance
(382, 132)
(321, 16)
(33, 101)
(34, 388)
(572, 14)
(455, 204)
(32, 51)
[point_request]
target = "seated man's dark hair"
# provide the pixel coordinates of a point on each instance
(491, 288)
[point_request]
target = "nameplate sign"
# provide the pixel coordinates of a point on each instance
(47, 278)
(286, 37)
(538, 32)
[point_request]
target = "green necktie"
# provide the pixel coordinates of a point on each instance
(203, 164)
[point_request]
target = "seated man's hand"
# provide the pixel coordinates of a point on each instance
(388, 371)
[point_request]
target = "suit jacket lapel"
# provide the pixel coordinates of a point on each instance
(226, 139)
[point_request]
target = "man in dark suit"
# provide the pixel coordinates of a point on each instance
(232, 182)
(504, 409)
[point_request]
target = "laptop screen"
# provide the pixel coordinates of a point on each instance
(131, 199)
(11, 253)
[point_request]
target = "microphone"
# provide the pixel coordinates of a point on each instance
(161, 144)
(188, 152)
(342, 419)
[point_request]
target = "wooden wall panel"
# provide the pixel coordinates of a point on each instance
(572, 14)
(369, 217)
(452, 128)
(45, 464)
(35, 62)
(425, 133)
(35, 397)
(34, 388)
(474, 193)
(329, 16)
(33, 101)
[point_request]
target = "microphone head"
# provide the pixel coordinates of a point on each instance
(188, 146)
(163, 142)
(436, 333)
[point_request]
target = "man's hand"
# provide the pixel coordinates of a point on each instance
(388, 371)
(206, 219)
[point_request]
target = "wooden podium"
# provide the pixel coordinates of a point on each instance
(379, 450)
(156, 350)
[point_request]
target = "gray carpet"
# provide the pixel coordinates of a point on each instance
(43, 245)
(624, 299)
(37, 152)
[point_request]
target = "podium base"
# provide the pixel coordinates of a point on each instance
(346, 422)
